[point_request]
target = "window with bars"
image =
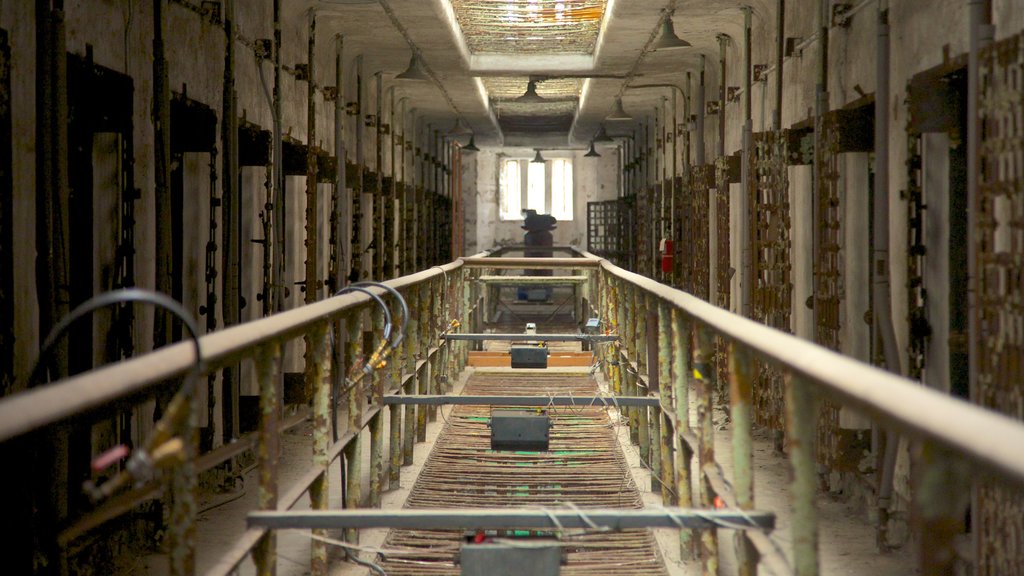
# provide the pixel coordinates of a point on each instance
(545, 187)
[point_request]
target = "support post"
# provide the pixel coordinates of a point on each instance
(354, 450)
(801, 421)
(669, 489)
(681, 397)
(741, 394)
(941, 495)
(317, 368)
(704, 371)
(267, 362)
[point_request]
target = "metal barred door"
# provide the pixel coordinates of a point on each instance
(1000, 288)
(772, 268)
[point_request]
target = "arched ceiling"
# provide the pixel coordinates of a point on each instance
(582, 53)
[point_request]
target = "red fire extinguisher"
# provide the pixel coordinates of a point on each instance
(666, 255)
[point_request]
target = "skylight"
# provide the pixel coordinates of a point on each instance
(530, 26)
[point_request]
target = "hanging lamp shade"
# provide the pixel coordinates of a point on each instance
(531, 96)
(537, 159)
(668, 40)
(471, 147)
(459, 128)
(592, 153)
(619, 113)
(602, 135)
(414, 71)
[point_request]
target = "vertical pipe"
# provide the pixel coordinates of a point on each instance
(343, 219)
(743, 230)
(317, 367)
(231, 215)
(780, 45)
(699, 160)
(820, 142)
(279, 193)
(723, 44)
(312, 200)
(704, 370)
(359, 188)
(267, 451)
(741, 399)
(161, 171)
(801, 417)
(681, 397)
(378, 193)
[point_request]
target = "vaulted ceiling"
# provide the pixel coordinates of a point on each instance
(580, 55)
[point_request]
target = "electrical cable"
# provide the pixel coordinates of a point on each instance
(378, 299)
(401, 301)
(162, 446)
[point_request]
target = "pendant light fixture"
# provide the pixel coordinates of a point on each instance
(668, 40)
(531, 96)
(592, 153)
(414, 71)
(471, 147)
(459, 128)
(619, 113)
(538, 159)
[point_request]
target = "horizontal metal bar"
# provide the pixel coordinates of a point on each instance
(903, 404)
(534, 263)
(533, 337)
(577, 401)
(500, 518)
(544, 280)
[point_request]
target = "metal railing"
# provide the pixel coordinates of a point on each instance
(665, 351)
(421, 365)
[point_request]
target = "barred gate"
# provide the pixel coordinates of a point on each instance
(772, 288)
(609, 231)
(702, 179)
(828, 277)
(999, 290)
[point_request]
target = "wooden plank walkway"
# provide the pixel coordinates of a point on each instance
(585, 466)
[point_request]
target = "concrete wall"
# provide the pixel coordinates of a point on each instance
(594, 179)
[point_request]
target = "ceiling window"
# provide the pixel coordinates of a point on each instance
(545, 187)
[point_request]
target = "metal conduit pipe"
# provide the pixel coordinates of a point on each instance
(699, 159)
(881, 290)
(746, 280)
(312, 203)
(378, 167)
(357, 189)
(279, 201)
(231, 215)
(780, 44)
(820, 108)
(343, 209)
(723, 44)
